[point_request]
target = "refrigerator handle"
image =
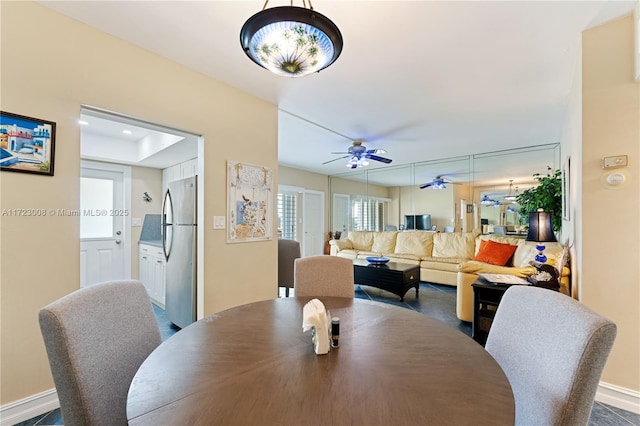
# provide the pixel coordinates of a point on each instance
(167, 232)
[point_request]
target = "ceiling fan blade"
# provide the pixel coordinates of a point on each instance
(336, 159)
(426, 185)
(377, 158)
(376, 151)
(339, 153)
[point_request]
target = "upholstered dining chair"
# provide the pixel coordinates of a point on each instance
(288, 252)
(553, 350)
(324, 276)
(500, 230)
(96, 339)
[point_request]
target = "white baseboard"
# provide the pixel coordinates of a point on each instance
(28, 408)
(616, 396)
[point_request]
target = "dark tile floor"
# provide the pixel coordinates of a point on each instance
(437, 301)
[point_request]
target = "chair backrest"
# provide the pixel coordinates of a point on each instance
(96, 339)
(324, 276)
(499, 230)
(288, 252)
(553, 350)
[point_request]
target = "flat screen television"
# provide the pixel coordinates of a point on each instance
(417, 221)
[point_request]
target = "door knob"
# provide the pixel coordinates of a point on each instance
(118, 241)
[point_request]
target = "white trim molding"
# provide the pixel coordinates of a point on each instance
(619, 397)
(28, 408)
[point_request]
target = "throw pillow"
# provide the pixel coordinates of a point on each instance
(495, 253)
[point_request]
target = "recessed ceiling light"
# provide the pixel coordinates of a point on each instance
(126, 132)
(82, 122)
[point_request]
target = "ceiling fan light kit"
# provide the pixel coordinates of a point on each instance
(291, 41)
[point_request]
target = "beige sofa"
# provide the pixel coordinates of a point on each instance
(446, 258)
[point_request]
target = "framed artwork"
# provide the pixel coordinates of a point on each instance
(566, 190)
(26, 144)
(249, 202)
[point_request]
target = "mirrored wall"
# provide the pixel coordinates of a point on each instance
(449, 191)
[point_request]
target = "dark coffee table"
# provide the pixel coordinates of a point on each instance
(395, 277)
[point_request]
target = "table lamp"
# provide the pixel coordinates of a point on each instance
(541, 231)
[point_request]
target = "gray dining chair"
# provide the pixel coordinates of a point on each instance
(288, 252)
(96, 339)
(499, 230)
(324, 276)
(553, 350)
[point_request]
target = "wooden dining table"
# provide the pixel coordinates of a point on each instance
(253, 365)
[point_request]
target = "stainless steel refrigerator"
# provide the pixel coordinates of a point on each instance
(179, 245)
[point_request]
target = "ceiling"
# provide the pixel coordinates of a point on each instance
(424, 80)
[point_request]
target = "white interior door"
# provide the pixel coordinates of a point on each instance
(313, 223)
(104, 226)
(341, 213)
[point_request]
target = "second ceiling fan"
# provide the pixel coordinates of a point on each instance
(359, 155)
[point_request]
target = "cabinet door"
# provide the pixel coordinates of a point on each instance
(189, 168)
(145, 271)
(159, 281)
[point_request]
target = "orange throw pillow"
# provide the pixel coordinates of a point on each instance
(495, 253)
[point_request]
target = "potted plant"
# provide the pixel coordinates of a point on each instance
(547, 196)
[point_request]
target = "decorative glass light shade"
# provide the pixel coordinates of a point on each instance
(486, 200)
(541, 231)
(291, 41)
(357, 161)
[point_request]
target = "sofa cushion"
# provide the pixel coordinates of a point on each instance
(527, 252)
(418, 243)
(449, 264)
(384, 242)
(495, 253)
(341, 244)
(474, 267)
(503, 239)
(454, 244)
(404, 258)
(361, 240)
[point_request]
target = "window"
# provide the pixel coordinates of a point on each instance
(288, 216)
(367, 214)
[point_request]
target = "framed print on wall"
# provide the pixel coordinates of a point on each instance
(249, 202)
(26, 144)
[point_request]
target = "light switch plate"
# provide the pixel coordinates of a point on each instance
(136, 221)
(218, 222)
(615, 161)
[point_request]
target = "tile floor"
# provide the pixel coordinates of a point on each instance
(437, 301)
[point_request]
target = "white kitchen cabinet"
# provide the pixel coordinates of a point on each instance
(179, 171)
(152, 272)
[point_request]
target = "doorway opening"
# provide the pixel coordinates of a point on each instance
(154, 155)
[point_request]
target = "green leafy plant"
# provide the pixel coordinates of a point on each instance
(547, 196)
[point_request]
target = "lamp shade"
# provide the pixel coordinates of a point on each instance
(541, 227)
(291, 41)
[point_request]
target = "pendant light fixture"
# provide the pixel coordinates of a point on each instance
(511, 196)
(291, 41)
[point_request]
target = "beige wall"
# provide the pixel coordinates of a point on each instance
(50, 66)
(143, 179)
(610, 228)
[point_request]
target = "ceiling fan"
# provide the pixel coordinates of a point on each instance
(359, 155)
(439, 182)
